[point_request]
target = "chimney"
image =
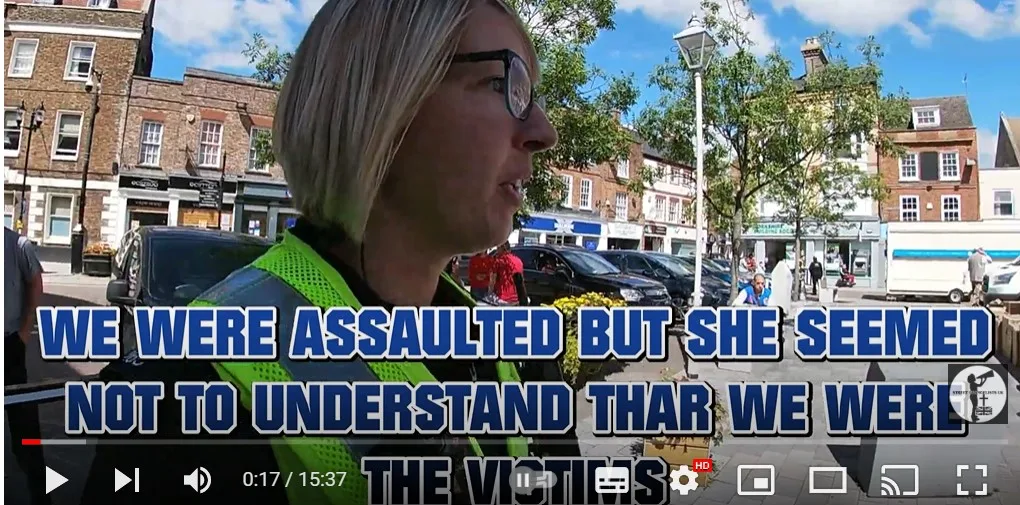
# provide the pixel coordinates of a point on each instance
(814, 57)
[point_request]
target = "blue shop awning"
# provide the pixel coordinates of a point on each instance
(562, 225)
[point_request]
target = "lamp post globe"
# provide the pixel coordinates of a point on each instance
(696, 45)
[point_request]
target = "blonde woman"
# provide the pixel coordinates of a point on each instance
(406, 129)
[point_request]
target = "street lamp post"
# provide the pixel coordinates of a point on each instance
(34, 123)
(93, 85)
(697, 48)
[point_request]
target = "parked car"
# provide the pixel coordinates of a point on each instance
(165, 266)
(1003, 283)
(553, 272)
(679, 281)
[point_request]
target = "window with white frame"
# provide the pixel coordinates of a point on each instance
(674, 211)
(623, 168)
(949, 166)
(674, 176)
(584, 196)
(254, 138)
(79, 60)
(9, 209)
(1002, 203)
(687, 216)
(210, 142)
(660, 208)
(58, 217)
(568, 190)
(908, 167)
(67, 135)
(23, 54)
(151, 141)
(910, 208)
(621, 206)
(99, 4)
(926, 117)
(950, 208)
(12, 133)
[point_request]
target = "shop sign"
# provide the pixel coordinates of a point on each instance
(772, 229)
(148, 204)
(199, 185)
(146, 183)
(621, 230)
(655, 229)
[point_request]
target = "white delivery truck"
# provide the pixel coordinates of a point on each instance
(929, 259)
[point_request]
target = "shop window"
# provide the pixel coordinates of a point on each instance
(58, 217)
(561, 239)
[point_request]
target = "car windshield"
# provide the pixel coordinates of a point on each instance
(1016, 262)
(712, 265)
(589, 263)
(184, 267)
(672, 264)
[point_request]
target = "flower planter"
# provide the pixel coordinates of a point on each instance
(97, 265)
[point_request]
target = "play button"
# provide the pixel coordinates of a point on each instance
(53, 480)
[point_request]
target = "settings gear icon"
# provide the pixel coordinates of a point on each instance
(676, 476)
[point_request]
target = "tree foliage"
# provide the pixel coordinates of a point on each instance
(581, 100)
(763, 126)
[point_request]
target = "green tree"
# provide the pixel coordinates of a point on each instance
(761, 125)
(582, 101)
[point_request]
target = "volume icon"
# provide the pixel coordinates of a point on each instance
(199, 480)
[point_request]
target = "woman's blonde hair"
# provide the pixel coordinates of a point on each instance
(356, 81)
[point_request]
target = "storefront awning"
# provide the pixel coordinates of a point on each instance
(563, 225)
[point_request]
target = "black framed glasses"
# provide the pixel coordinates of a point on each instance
(518, 90)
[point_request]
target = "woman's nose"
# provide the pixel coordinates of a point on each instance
(540, 134)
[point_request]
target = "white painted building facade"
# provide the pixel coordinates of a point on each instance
(668, 208)
(999, 190)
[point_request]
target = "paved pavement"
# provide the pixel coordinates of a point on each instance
(790, 457)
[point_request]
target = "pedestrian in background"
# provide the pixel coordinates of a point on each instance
(816, 274)
(508, 276)
(23, 289)
(480, 275)
(976, 264)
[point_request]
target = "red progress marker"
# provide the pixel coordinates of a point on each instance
(31, 441)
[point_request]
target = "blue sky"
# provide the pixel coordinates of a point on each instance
(930, 45)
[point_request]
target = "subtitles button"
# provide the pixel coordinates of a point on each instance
(756, 480)
(612, 480)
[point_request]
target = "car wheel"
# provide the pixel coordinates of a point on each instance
(955, 296)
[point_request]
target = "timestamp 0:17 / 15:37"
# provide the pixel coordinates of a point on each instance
(288, 479)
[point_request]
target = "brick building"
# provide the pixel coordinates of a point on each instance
(64, 57)
(937, 177)
(188, 156)
(597, 212)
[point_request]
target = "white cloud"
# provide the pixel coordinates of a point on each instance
(916, 18)
(986, 139)
(213, 32)
(678, 12)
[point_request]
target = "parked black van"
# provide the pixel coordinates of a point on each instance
(553, 272)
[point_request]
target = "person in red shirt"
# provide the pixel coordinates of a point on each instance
(480, 275)
(508, 277)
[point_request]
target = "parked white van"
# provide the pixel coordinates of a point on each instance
(929, 259)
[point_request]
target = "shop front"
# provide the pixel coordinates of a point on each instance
(853, 244)
(263, 209)
(654, 238)
(623, 235)
(681, 240)
(561, 230)
(155, 199)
